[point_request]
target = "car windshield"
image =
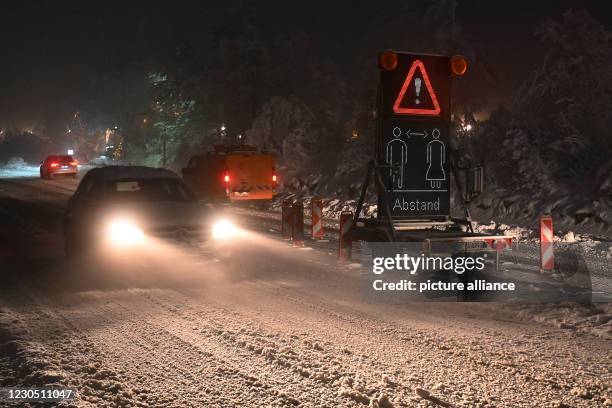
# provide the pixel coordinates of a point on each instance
(148, 190)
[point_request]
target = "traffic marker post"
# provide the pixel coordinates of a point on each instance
(297, 230)
(547, 256)
(499, 245)
(287, 218)
(345, 242)
(316, 206)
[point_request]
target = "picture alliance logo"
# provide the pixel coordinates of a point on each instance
(412, 264)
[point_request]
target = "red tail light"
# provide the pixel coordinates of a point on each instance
(274, 178)
(226, 177)
(73, 163)
(54, 164)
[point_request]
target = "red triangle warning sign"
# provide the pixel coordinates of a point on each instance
(412, 107)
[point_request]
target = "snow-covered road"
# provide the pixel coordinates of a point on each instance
(271, 326)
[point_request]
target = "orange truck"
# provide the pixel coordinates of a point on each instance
(234, 173)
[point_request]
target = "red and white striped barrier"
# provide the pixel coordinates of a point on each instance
(316, 206)
(345, 243)
(547, 256)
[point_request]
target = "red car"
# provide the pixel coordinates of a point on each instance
(58, 165)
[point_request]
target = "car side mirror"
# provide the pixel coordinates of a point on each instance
(474, 182)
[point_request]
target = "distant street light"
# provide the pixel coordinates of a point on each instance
(70, 152)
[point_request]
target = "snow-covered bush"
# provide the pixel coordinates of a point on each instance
(31, 147)
(553, 141)
(354, 156)
(290, 129)
(566, 102)
(279, 118)
(16, 163)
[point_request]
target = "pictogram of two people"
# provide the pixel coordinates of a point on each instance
(397, 157)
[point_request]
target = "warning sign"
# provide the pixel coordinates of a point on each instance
(413, 136)
(416, 96)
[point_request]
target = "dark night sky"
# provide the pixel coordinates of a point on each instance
(52, 50)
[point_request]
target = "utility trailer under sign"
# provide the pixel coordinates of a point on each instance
(413, 136)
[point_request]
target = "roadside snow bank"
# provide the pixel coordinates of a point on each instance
(594, 320)
(17, 167)
(564, 238)
(572, 211)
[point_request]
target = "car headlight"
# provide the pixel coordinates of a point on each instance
(124, 233)
(223, 230)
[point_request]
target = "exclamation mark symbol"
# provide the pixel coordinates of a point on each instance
(417, 86)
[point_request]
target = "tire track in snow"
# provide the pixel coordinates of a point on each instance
(55, 351)
(455, 341)
(296, 354)
(212, 333)
(516, 363)
(187, 374)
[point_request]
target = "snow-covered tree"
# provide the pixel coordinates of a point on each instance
(553, 145)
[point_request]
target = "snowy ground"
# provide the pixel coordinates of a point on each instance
(16, 167)
(272, 326)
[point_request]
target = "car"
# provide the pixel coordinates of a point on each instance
(56, 165)
(118, 208)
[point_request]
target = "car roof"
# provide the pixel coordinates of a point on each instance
(111, 173)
